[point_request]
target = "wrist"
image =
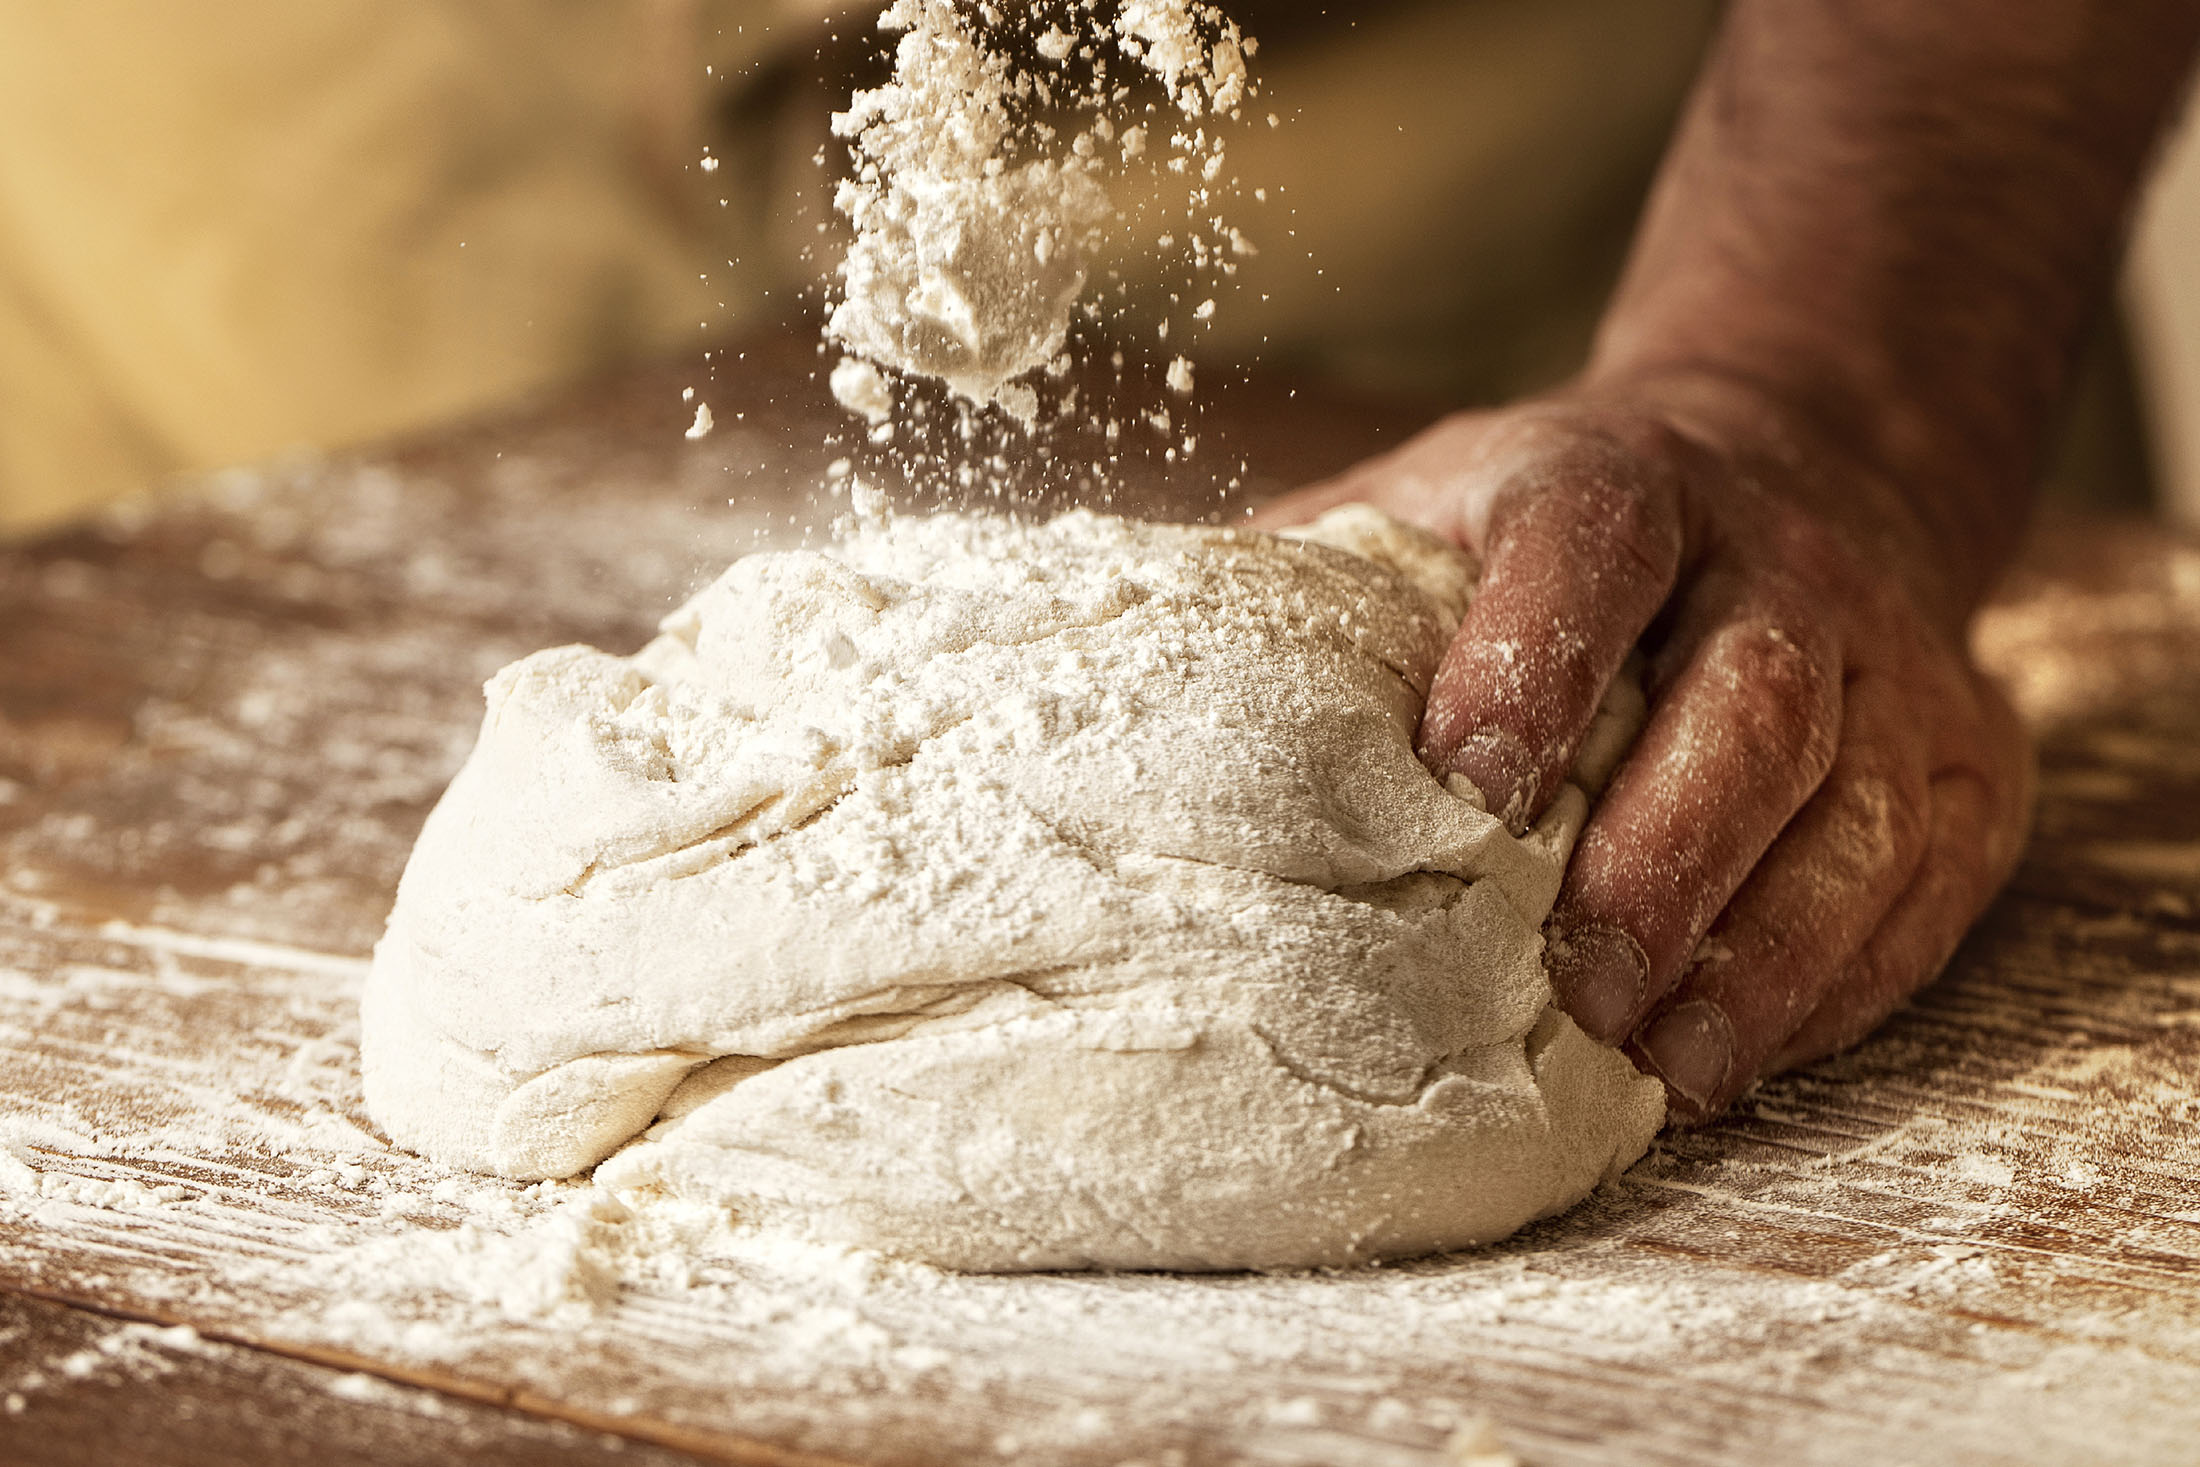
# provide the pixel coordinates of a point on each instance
(1890, 224)
(1847, 336)
(1785, 434)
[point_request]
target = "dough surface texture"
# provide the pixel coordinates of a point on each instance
(1008, 896)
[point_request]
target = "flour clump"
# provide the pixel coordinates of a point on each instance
(1007, 896)
(979, 194)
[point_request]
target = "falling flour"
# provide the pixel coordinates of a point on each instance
(979, 195)
(1008, 896)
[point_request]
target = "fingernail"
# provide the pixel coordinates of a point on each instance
(1498, 765)
(1692, 1049)
(1599, 974)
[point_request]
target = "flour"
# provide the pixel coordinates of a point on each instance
(979, 195)
(860, 388)
(128, 1351)
(1007, 896)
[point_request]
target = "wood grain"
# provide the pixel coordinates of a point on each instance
(109, 1392)
(1974, 1240)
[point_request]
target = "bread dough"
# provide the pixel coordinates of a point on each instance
(1008, 896)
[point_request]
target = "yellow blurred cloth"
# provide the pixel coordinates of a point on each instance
(228, 227)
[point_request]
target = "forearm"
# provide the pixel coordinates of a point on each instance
(1897, 218)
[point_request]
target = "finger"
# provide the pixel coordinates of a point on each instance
(1742, 737)
(1979, 821)
(1310, 503)
(1427, 482)
(1582, 546)
(1805, 911)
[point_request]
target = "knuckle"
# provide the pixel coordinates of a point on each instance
(1626, 498)
(1635, 527)
(1602, 499)
(1787, 692)
(1908, 821)
(1881, 823)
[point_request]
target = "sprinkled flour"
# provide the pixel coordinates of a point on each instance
(980, 192)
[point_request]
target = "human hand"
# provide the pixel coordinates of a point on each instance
(1827, 792)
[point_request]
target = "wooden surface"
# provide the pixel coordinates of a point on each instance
(1974, 1240)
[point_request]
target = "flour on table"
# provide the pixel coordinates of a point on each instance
(1007, 896)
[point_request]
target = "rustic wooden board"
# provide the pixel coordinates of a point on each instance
(110, 1392)
(1974, 1240)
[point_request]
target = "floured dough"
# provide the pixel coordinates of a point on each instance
(1008, 896)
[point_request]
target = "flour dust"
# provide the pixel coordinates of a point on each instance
(1013, 154)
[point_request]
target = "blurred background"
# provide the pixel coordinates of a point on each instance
(235, 229)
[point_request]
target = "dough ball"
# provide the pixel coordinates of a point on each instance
(1008, 896)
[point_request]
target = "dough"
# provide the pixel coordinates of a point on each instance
(1008, 896)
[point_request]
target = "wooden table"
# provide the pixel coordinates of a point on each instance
(1976, 1239)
